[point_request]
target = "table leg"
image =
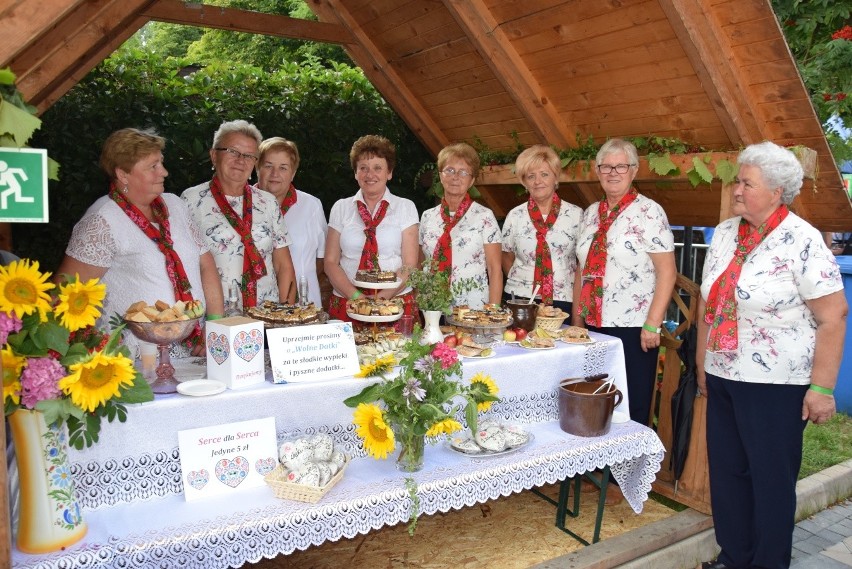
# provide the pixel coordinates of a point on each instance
(563, 511)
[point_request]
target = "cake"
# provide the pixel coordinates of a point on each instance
(282, 314)
(376, 276)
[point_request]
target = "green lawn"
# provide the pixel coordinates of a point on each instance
(826, 445)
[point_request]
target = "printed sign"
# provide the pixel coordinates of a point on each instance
(312, 353)
(23, 185)
(224, 459)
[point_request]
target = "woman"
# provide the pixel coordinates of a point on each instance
(772, 320)
(140, 241)
(243, 226)
(626, 249)
(303, 215)
(460, 235)
(372, 230)
(540, 236)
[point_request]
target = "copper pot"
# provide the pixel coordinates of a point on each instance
(584, 413)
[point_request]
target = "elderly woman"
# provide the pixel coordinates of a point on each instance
(772, 320)
(276, 168)
(373, 230)
(540, 236)
(243, 226)
(460, 235)
(626, 251)
(140, 241)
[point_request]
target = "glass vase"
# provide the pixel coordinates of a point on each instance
(411, 447)
(49, 516)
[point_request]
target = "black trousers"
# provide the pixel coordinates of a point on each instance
(641, 370)
(754, 444)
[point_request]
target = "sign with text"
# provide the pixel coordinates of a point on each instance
(224, 459)
(312, 353)
(23, 185)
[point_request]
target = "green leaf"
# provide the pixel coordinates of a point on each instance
(470, 415)
(662, 164)
(139, 392)
(17, 122)
(58, 410)
(701, 172)
(726, 171)
(6, 76)
(367, 395)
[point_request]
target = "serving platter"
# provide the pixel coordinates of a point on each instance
(374, 318)
(376, 286)
(483, 453)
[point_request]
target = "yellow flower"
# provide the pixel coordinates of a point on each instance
(23, 289)
(489, 385)
(79, 303)
(91, 383)
(380, 365)
(448, 426)
(12, 367)
(371, 426)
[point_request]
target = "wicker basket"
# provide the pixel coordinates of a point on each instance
(550, 323)
(300, 492)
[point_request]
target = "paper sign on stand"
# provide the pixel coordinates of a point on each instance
(312, 353)
(235, 351)
(224, 459)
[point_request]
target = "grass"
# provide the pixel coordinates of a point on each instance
(826, 445)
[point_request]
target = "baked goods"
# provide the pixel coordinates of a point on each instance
(281, 314)
(488, 315)
(162, 311)
(575, 335)
(375, 276)
(547, 311)
(384, 345)
(375, 306)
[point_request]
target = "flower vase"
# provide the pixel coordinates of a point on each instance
(49, 514)
(432, 330)
(411, 447)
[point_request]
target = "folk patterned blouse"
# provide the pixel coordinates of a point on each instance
(776, 329)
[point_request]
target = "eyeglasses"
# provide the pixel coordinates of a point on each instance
(236, 154)
(452, 172)
(620, 168)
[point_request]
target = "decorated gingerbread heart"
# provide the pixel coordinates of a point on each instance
(198, 478)
(217, 345)
(232, 472)
(248, 344)
(265, 465)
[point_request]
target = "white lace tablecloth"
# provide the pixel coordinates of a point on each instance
(130, 482)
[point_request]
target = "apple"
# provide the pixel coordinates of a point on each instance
(510, 335)
(451, 340)
(520, 334)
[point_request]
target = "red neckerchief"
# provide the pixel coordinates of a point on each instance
(162, 237)
(543, 262)
(289, 199)
(370, 252)
(721, 307)
(443, 253)
(591, 295)
(253, 266)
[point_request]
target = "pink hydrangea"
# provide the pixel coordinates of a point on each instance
(40, 381)
(9, 324)
(445, 354)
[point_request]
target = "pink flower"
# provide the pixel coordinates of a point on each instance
(9, 324)
(40, 381)
(445, 354)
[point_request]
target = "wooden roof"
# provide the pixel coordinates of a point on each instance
(715, 73)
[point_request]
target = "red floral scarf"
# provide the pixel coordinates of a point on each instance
(721, 308)
(543, 262)
(443, 253)
(370, 252)
(591, 295)
(253, 266)
(289, 199)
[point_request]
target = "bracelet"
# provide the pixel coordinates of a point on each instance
(214, 316)
(651, 329)
(356, 295)
(823, 390)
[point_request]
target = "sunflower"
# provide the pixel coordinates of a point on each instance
(79, 303)
(23, 289)
(448, 426)
(371, 426)
(12, 367)
(92, 382)
(381, 365)
(488, 384)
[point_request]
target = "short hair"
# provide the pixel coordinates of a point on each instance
(125, 147)
(238, 126)
(279, 144)
(616, 145)
(535, 155)
(778, 166)
(463, 151)
(373, 146)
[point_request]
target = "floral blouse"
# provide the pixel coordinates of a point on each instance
(476, 229)
(268, 230)
(519, 238)
(630, 279)
(776, 329)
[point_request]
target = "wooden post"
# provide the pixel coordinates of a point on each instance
(5, 522)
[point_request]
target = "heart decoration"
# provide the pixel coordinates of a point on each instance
(217, 345)
(232, 472)
(248, 344)
(198, 478)
(265, 465)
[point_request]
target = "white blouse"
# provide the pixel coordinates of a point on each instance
(307, 228)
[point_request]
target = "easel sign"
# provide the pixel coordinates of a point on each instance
(225, 459)
(312, 353)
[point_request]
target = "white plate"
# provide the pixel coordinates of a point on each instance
(376, 286)
(186, 369)
(370, 318)
(576, 342)
(536, 347)
(487, 453)
(200, 387)
(619, 417)
(491, 355)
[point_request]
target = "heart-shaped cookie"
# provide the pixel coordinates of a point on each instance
(232, 472)
(217, 346)
(265, 465)
(248, 344)
(198, 478)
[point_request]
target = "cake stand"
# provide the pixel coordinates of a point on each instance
(483, 334)
(163, 334)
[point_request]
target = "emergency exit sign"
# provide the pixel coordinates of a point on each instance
(23, 185)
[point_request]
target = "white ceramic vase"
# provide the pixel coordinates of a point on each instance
(432, 330)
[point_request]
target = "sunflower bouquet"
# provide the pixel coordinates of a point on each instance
(54, 358)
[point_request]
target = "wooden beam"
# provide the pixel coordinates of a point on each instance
(205, 16)
(381, 74)
(710, 56)
(476, 20)
(22, 24)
